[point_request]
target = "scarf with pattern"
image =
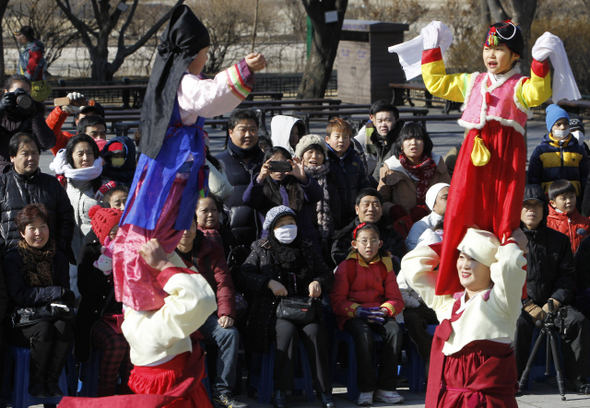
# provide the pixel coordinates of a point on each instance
(324, 213)
(422, 174)
(36, 270)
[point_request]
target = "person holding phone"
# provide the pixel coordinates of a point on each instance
(283, 181)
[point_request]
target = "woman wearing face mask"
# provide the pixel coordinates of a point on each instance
(20, 113)
(119, 161)
(281, 265)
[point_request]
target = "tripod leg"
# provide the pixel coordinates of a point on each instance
(529, 363)
(557, 363)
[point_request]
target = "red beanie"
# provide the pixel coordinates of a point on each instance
(103, 220)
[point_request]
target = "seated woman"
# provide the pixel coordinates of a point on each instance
(366, 299)
(312, 151)
(292, 188)
(37, 276)
(405, 177)
(79, 168)
(100, 315)
(281, 265)
(472, 358)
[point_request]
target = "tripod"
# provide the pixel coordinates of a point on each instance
(550, 330)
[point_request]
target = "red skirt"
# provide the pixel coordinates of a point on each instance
(486, 197)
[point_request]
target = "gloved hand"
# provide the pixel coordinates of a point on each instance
(76, 101)
(74, 96)
(534, 311)
(431, 35)
(556, 305)
(99, 195)
(370, 314)
(8, 102)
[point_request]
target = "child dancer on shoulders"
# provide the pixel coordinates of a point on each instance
(472, 360)
(365, 298)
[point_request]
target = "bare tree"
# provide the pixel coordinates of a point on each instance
(395, 11)
(45, 17)
(97, 29)
(3, 5)
(323, 48)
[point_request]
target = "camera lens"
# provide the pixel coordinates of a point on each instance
(24, 101)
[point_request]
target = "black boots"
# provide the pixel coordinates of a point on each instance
(55, 365)
(40, 354)
(280, 399)
(326, 399)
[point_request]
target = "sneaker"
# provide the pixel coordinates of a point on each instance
(390, 397)
(365, 398)
(228, 401)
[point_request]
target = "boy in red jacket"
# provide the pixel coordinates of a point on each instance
(563, 214)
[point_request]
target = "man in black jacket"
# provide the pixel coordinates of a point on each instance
(369, 208)
(551, 277)
(25, 184)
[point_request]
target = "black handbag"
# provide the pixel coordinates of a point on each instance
(51, 312)
(298, 309)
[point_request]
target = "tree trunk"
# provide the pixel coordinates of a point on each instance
(484, 12)
(524, 14)
(497, 11)
(3, 5)
(324, 47)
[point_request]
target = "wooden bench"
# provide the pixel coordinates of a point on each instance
(123, 128)
(398, 96)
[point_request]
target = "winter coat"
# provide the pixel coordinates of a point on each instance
(582, 288)
(81, 195)
(392, 241)
(242, 219)
(31, 62)
(374, 148)
(280, 131)
(17, 191)
(35, 126)
(419, 227)
(23, 295)
(550, 268)
(358, 284)
(397, 186)
(121, 175)
(574, 225)
(55, 121)
(552, 160)
(351, 177)
(210, 262)
(96, 289)
(312, 193)
(219, 185)
(253, 280)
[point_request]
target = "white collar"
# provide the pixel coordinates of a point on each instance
(464, 303)
(499, 77)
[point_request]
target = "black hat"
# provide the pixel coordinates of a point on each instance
(534, 192)
(577, 124)
(93, 106)
(27, 31)
(506, 33)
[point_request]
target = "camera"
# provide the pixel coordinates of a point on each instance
(18, 104)
(280, 166)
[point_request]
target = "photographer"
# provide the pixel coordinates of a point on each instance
(551, 277)
(20, 113)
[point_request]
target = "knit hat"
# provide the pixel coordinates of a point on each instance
(103, 220)
(311, 142)
(554, 113)
(577, 125)
(432, 193)
(480, 245)
(273, 215)
(506, 33)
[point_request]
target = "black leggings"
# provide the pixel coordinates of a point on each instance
(43, 331)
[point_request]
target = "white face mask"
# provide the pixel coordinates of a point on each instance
(286, 234)
(560, 134)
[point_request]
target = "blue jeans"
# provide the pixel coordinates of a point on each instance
(228, 344)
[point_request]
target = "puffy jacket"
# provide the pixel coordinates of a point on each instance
(219, 185)
(16, 191)
(242, 220)
(55, 121)
(554, 160)
(96, 289)
(397, 186)
(23, 295)
(582, 288)
(351, 177)
(550, 267)
(419, 227)
(574, 225)
(358, 284)
(210, 262)
(31, 62)
(253, 280)
(374, 147)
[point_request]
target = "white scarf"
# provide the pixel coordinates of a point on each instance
(60, 166)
